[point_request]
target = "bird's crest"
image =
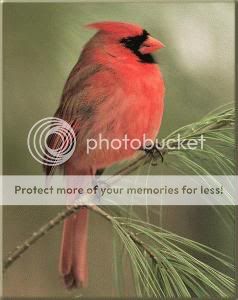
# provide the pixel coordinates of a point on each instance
(117, 28)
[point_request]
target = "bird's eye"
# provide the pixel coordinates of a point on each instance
(134, 42)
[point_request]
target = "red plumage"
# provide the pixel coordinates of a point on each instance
(115, 89)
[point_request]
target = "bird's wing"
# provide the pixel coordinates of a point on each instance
(85, 91)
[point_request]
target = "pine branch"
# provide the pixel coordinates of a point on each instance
(205, 126)
(112, 219)
(185, 270)
(16, 254)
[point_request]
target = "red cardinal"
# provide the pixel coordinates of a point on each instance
(115, 89)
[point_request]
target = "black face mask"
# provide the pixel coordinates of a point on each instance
(134, 43)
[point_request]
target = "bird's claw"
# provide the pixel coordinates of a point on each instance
(154, 152)
(98, 185)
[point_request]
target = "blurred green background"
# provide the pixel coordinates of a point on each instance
(41, 43)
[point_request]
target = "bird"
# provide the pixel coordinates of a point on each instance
(115, 89)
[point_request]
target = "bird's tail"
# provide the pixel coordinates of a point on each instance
(73, 257)
(73, 265)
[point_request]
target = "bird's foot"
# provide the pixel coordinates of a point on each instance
(155, 152)
(98, 186)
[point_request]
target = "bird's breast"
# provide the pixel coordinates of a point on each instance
(143, 103)
(133, 110)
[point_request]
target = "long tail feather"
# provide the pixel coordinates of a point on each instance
(73, 258)
(73, 265)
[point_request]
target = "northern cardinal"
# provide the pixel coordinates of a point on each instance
(115, 89)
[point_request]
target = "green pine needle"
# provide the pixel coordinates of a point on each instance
(174, 270)
(174, 266)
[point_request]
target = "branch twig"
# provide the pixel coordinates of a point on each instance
(14, 255)
(139, 242)
(57, 220)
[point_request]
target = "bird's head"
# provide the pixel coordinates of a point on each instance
(125, 40)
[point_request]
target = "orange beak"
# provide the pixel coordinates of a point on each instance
(151, 45)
